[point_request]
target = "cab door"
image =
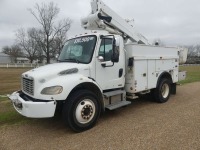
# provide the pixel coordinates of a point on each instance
(109, 75)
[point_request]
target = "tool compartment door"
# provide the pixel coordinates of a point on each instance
(140, 71)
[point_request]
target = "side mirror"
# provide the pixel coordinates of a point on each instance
(115, 54)
(100, 58)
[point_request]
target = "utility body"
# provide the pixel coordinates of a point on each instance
(98, 71)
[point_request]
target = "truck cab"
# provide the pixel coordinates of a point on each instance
(98, 52)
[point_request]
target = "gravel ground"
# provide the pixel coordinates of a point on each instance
(141, 125)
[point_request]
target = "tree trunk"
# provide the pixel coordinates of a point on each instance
(48, 56)
(31, 60)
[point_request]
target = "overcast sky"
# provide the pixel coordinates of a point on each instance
(175, 22)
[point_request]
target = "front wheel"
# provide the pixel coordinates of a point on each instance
(162, 92)
(81, 110)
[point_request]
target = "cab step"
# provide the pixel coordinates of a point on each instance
(131, 97)
(118, 105)
(112, 93)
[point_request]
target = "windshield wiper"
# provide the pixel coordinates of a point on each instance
(73, 59)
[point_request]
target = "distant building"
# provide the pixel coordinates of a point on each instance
(22, 60)
(4, 58)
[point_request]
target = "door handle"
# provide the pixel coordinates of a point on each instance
(120, 72)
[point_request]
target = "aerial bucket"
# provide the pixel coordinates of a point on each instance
(182, 55)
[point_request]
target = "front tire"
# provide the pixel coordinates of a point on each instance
(163, 90)
(81, 111)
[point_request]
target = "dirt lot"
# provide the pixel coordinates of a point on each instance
(142, 125)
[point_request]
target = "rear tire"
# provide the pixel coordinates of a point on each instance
(163, 90)
(81, 111)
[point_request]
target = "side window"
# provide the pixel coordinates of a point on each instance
(106, 49)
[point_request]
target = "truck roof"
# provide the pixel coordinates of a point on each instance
(97, 33)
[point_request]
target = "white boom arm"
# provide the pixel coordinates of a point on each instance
(103, 18)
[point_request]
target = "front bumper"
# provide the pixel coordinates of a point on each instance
(32, 109)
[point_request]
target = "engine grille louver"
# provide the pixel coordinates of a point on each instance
(28, 86)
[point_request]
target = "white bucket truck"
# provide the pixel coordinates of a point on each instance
(99, 71)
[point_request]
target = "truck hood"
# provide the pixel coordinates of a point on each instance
(52, 70)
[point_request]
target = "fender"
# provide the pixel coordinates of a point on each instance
(164, 75)
(68, 82)
(93, 87)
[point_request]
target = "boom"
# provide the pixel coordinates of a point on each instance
(104, 18)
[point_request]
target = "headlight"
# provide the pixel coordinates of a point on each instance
(53, 90)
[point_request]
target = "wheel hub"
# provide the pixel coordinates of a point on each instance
(165, 90)
(87, 112)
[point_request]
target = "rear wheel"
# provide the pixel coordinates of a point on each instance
(162, 92)
(81, 110)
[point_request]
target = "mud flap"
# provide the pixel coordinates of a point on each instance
(173, 88)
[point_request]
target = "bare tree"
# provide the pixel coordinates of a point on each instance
(46, 15)
(193, 54)
(59, 41)
(28, 43)
(13, 51)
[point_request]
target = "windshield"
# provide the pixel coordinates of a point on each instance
(79, 50)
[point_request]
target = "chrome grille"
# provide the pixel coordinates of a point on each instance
(28, 86)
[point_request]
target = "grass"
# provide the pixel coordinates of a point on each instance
(10, 81)
(193, 74)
